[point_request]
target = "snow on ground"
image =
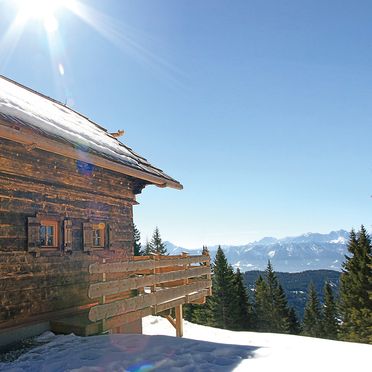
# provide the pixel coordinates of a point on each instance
(201, 349)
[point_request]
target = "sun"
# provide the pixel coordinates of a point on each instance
(42, 10)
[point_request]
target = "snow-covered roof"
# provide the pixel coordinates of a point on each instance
(54, 120)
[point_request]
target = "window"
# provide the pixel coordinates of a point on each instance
(98, 235)
(48, 233)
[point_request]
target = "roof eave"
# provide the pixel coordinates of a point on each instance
(28, 138)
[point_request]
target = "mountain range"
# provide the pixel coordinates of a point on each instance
(311, 251)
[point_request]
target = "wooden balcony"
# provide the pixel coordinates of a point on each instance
(124, 291)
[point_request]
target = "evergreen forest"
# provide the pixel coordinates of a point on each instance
(335, 306)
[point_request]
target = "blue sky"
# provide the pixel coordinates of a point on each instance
(262, 109)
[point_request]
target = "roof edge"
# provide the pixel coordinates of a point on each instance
(46, 144)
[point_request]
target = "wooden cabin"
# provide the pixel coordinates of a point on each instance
(67, 190)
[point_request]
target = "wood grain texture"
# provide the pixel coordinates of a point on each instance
(109, 310)
(33, 181)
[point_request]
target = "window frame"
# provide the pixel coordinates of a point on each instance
(48, 222)
(101, 228)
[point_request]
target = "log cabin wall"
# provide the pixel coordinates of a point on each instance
(33, 181)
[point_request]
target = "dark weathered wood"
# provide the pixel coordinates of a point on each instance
(33, 237)
(87, 236)
(58, 171)
(27, 137)
(36, 181)
(67, 227)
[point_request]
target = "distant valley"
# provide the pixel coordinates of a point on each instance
(311, 251)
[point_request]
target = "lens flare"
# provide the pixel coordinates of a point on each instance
(49, 14)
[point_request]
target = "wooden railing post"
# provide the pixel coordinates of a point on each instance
(179, 321)
(208, 263)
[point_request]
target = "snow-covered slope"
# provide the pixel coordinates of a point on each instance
(311, 251)
(202, 349)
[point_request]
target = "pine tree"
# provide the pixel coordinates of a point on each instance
(278, 312)
(137, 241)
(244, 311)
(148, 248)
(281, 311)
(157, 244)
(312, 315)
(294, 326)
(355, 289)
(262, 306)
(222, 304)
(329, 318)
(201, 314)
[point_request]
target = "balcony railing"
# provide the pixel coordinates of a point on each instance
(145, 285)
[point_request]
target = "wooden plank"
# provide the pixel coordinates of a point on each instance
(119, 320)
(106, 311)
(192, 298)
(195, 297)
(112, 287)
(134, 265)
(169, 305)
(64, 172)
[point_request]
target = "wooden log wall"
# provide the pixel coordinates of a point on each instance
(32, 287)
(34, 181)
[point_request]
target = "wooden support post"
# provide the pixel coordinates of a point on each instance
(171, 321)
(179, 321)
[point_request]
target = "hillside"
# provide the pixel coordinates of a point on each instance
(311, 251)
(296, 285)
(202, 349)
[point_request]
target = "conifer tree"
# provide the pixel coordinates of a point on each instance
(222, 304)
(312, 315)
(329, 318)
(294, 326)
(157, 244)
(244, 311)
(148, 248)
(201, 314)
(137, 241)
(262, 305)
(281, 311)
(355, 289)
(278, 311)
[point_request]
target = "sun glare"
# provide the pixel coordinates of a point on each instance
(51, 15)
(42, 10)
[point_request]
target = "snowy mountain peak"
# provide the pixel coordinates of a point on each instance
(310, 251)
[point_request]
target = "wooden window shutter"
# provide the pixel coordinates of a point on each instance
(111, 237)
(67, 230)
(33, 234)
(87, 236)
